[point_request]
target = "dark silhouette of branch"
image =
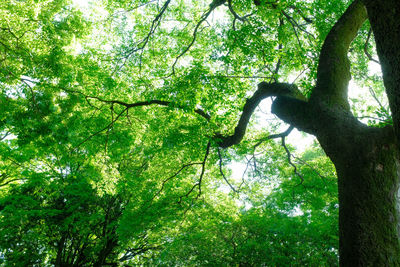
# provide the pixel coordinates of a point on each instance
(372, 92)
(127, 106)
(239, 77)
(236, 15)
(173, 176)
(264, 90)
(323, 178)
(289, 156)
(366, 48)
(198, 184)
(374, 118)
(213, 6)
(295, 24)
(274, 136)
(306, 19)
(10, 181)
(142, 248)
(5, 135)
(233, 12)
(102, 130)
(200, 112)
(222, 172)
(115, 14)
(140, 46)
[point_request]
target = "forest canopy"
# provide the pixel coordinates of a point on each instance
(140, 132)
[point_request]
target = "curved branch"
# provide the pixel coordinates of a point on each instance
(127, 106)
(369, 56)
(264, 90)
(200, 112)
(274, 136)
(164, 103)
(236, 15)
(289, 156)
(155, 23)
(198, 184)
(222, 172)
(213, 6)
(333, 74)
(173, 176)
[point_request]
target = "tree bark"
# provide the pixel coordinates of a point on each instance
(368, 180)
(368, 168)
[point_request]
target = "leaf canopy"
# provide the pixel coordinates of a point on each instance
(109, 121)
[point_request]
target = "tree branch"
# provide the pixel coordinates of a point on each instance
(235, 15)
(203, 169)
(213, 6)
(113, 120)
(264, 90)
(222, 172)
(369, 56)
(198, 111)
(289, 156)
(274, 136)
(333, 74)
(173, 176)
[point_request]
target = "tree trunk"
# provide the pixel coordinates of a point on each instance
(368, 212)
(368, 169)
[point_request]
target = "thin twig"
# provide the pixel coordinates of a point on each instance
(289, 155)
(222, 172)
(173, 176)
(372, 92)
(274, 136)
(142, 44)
(213, 6)
(198, 184)
(99, 131)
(366, 48)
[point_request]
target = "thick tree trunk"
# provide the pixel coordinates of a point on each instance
(368, 212)
(368, 169)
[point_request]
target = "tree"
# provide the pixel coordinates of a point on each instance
(90, 97)
(366, 158)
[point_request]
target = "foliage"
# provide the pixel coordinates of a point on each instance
(93, 172)
(293, 225)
